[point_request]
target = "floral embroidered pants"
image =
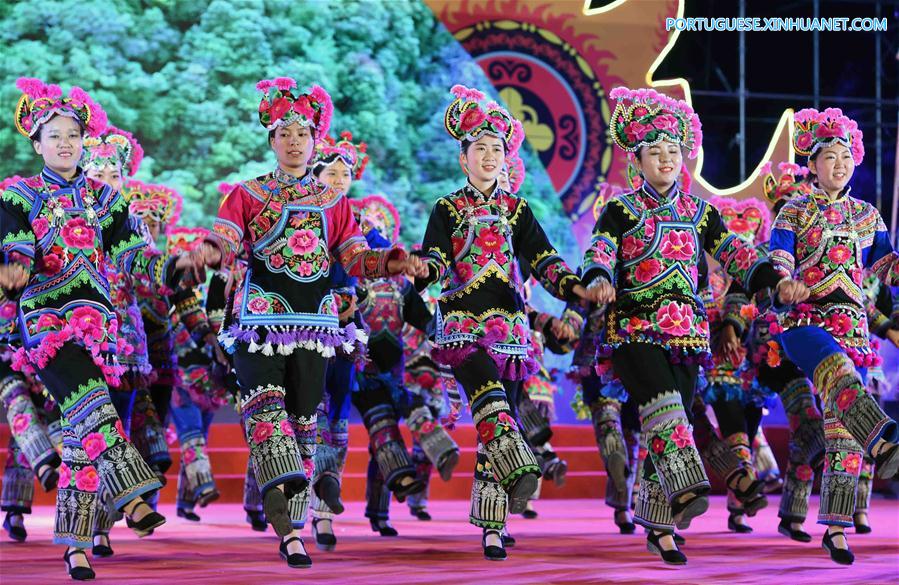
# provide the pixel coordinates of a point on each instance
(94, 448)
(673, 466)
(853, 420)
(279, 395)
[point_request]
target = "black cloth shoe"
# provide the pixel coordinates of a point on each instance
(493, 552)
(679, 540)
(383, 527)
(684, 512)
(671, 557)
(842, 556)
(735, 526)
(146, 525)
(208, 497)
(294, 560)
(323, 540)
(188, 515)
(521, 491)
(421, 513)
(447, 465)
(860, 528)
(274, 504)
(529, 514)
(75, 572)
(416, 486)
(797, 535)
(625, 527)
(102, 550)
(17, 533)
(257, 521)
(328, 490)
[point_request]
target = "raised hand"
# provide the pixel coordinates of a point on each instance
(13, 276)
(600, 293)
(792, 292)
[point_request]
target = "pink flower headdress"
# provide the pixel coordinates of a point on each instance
(181, 240)
(112, 147)
(153, 202)
(645, 117)
(748, 218)
(375, 211)
(790, 184)
(814, 130)
(40, 102)
(328, 151)
(280, 106)
(469, 118)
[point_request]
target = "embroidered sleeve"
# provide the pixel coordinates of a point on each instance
(350, 247)
(436, 247)
(230, 225)
(128, 249)
(191, 312)
(783, 240)
(601, 256)
(881, 258)
(739, 259)
(15, 230)
(534, 247)
(415, 311)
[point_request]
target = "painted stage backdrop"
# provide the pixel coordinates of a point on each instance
(181, 77)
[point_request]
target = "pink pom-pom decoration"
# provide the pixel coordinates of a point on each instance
(284, 83)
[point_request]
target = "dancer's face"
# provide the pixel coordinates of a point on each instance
(338, 176)
(483, 160)
(60, 145)
(833, 167)
(293, 146)
(660, 164)
(109, 174)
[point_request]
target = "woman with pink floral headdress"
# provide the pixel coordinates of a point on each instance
(285, 323)
(645, 255)
(474, 241)
(57, 229)
(828, 239)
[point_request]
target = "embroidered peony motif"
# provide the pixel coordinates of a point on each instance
(76, 233)
(631, 247)
(65, 475)
(303, 241)
(87, 479)
(804, 473)
(852, 463)
(262, 431)
(847, 398)
(20, 423)
(94, 444)
(678, 245)
(675, 319)
(647, 270)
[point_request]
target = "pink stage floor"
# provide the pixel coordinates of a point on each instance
(573, 541)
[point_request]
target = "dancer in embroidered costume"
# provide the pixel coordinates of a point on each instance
(472, 245)
(57, 228)
(828, 239)
(645, 255)
(337, 164)
(286, 322)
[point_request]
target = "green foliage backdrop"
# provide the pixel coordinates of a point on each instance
(181, 74)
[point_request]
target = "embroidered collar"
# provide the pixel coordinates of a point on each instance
(820, 196)
(479, 196)
(660, 199)
(285, 178)
(56, 182)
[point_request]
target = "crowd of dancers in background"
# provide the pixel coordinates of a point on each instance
(685, 319)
